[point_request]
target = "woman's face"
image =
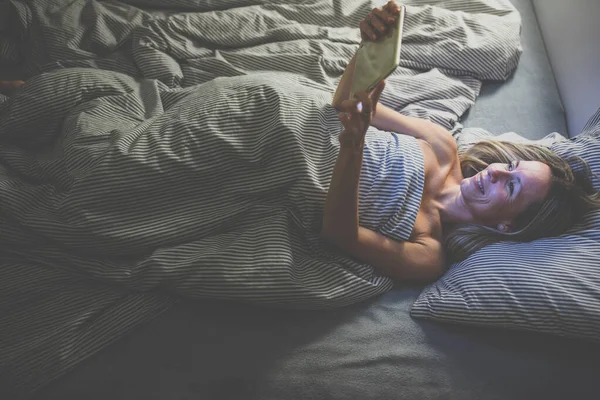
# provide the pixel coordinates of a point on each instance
(501, 192)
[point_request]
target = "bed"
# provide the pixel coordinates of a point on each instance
(218, 349)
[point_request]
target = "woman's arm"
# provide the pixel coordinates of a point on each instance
(421, 259)
(340, 219)
(442, 142)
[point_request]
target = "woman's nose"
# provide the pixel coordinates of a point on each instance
(497, 174)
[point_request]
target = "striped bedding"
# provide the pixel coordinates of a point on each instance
(216, 191)
(114, 92)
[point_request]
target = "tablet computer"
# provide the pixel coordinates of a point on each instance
(375, 61)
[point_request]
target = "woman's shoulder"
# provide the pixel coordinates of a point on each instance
(442, 168)
(440, 162)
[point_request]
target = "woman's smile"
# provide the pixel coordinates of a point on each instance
(479, 181)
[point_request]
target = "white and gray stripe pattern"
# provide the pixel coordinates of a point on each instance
(221, 194)
(192, 155)
(550, 285)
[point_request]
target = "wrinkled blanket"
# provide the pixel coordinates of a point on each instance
(103, 168)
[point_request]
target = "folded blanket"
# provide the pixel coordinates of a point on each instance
(110, 199)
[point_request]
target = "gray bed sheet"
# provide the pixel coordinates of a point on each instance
(374, 350)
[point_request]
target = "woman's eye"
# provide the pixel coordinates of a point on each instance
(511, 166)
(511, 187)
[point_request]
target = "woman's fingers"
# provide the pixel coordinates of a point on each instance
(392, 8)
(376, 24)
(384, 18)
(355, 115)
(379, 22)
(366, 30)
(349, 106)
(365, 104)
(344, 118)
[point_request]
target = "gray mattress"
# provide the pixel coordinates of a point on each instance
(374, 350)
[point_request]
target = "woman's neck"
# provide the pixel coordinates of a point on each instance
(452, 207)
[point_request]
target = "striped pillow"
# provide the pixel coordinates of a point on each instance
(550, 285)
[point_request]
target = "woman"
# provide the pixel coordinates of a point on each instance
(494, 191)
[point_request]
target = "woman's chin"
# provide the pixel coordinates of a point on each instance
(465, 188)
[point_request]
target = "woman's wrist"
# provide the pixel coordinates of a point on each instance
(352, 144)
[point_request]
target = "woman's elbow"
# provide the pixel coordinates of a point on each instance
(433, 269)
(426, 270)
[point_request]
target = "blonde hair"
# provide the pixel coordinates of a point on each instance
(571, 196)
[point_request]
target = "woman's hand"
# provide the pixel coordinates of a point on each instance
(379, 22)
(356, 116)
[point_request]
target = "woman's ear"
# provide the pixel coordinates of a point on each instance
(504, 227)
